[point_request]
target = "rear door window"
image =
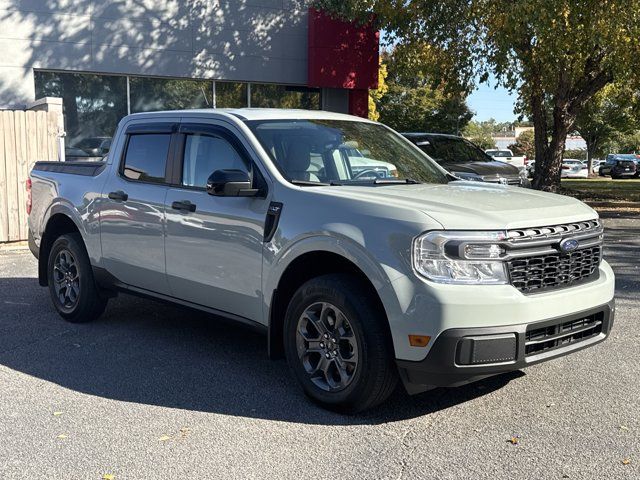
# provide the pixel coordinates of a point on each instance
(146, 157)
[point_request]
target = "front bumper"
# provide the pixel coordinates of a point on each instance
(452, 361)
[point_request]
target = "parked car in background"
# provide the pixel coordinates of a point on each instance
(613, 159)
(360, 163)
(94, 146)
(595, 165)
(359, 282)
(624, 169)
(506, 155)
(572, 168)
(467, 161)
(75, 154)
(72, 154)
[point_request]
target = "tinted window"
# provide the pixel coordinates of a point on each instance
(203, 154)
(452, 150)
(146, 157)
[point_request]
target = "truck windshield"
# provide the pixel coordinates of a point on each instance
(447, 150)
(340, 152)
(499, 153)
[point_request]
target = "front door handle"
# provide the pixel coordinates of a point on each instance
(118, 195)
(184, 205)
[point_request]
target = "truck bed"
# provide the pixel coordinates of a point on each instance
(87, 169)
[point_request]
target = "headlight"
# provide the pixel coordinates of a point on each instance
(450, 257)
(468, 176)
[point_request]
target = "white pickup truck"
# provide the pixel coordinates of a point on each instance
(507, 156)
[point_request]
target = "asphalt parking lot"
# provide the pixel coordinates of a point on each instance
(151, 391)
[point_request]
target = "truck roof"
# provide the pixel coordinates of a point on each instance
(255, 114)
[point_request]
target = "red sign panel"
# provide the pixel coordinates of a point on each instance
(342, 54)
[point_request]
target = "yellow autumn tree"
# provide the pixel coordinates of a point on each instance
(376, 95)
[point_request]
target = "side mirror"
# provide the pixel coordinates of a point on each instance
(230, 183)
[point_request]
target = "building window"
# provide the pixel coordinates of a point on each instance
(92, 104)
(152, 94)
(281, 96)
(231, 95)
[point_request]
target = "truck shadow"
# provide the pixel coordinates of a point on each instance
(146, 352)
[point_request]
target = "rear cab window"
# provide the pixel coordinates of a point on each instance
(146, 156)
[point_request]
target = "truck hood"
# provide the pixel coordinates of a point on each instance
(482, 168)
(463, 205)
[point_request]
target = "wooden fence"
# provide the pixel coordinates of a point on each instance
(25, 137)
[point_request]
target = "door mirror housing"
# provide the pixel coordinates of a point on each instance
(230, 183)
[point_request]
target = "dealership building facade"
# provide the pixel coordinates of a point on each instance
(108, 58)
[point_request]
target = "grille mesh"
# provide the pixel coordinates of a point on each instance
(543, 272)
(559, 335)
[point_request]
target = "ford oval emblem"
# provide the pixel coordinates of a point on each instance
(569, 245)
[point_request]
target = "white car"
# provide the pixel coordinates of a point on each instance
(572, 168)
(595, 165)
(507, 156)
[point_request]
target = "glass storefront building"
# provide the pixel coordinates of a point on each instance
(108, 59)
(93, 104)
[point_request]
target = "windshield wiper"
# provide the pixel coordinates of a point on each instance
(395, 181)
(309, 183)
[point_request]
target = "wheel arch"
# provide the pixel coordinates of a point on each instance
(59, 223)
(304, 267)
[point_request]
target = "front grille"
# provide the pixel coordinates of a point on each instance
(498, 178)
(543, 339)
(539, 233)
(531, 274)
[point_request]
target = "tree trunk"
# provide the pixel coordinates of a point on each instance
(591, 150)
(549, 160)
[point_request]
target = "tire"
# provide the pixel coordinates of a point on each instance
(360, 329)
(72, 287)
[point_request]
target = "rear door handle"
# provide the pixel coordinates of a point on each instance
(118, 195)
(184, 205)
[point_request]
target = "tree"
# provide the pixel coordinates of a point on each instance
(609, 113)
(422, 109)
(411, 103)
(376, 95)
(557, 54)
(524, 145)
(487, 128)
(483, 141)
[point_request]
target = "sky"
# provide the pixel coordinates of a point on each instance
(488, 102)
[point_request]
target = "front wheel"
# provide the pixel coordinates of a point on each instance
(71, 284)
(338, 345)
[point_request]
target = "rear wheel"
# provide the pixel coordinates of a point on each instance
(337, 344)
(71, 284)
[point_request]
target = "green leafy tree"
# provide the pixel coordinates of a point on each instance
(557, 54)
(623, 143)
(412, 103)
(610, 113)
(578, 154)
(524, 145)
(487, 128)
(483, 141)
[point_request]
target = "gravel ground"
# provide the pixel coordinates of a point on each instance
(151, 391)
